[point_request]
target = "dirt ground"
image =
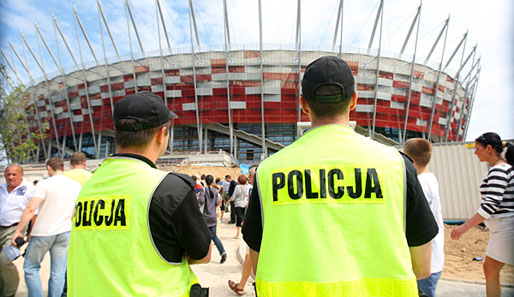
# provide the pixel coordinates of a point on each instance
(459, 256)
(215, 171)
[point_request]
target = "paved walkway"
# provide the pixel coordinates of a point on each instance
(215, 275)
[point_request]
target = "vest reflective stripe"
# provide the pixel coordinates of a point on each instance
(111, 252)
(333, 218)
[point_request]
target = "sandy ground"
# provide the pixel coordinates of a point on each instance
(215, 171)
(459, 263)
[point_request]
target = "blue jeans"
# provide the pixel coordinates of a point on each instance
(38, 246)
(216, 240)
(428, 285)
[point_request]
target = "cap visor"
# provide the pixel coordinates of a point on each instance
(173, 115)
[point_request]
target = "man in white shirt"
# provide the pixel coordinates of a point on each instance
(14, 197)
(55, 197)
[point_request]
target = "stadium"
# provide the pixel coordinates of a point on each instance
(243, 99)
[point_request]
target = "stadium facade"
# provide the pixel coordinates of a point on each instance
(228, 97)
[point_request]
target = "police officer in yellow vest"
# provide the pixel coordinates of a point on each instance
(137, 229)
(335, 213)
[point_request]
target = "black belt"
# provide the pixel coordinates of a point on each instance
(5, 227)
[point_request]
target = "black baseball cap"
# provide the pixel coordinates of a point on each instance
(146, 108)
(328, 70)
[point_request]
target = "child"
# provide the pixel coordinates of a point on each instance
(420, 151)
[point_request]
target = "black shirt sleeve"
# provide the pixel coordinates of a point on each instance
(232, 187)
(252, 227)
(176, 224)
(421, 226)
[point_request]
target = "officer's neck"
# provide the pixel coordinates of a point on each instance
(148, 152)
(343, 119)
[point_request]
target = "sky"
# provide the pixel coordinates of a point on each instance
(490, 27)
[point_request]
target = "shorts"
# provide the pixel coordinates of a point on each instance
(240, 216)
(222, 207)
(501, 239)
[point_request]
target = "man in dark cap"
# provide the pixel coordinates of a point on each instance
(335, 213)
(137, 229)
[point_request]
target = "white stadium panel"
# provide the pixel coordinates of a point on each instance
(63, 115)
(364, 108)
(171, 79)
(397, 105)
(173, 93)
(157, 88)
(237, 105)
(421, 122)
(385, 82)
(96, 102)
(384, 96)
(271, 98)
(204, 91)
(78, 118)
(188, 106)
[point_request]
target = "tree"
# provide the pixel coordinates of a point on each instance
(16, 137)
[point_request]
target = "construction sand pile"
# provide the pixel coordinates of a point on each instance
(459, 263)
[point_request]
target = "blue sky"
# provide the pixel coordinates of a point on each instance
(490, 26)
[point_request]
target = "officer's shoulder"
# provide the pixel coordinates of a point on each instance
(179, 180)
(373, 144)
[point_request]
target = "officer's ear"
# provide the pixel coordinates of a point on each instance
(304, 105)
(353, 102)
(161, 135)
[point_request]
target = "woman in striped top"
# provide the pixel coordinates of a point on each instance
(497, 207)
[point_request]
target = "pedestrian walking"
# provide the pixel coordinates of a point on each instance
(210, 199)
(54, 199)
(496, 208)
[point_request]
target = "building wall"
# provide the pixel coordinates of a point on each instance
(460, 174)
(81, 102)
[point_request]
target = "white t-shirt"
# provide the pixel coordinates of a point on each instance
(241, 194)
(430, 188)
(59, 194)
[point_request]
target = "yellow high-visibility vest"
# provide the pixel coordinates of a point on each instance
(333, 207)
(111, 251)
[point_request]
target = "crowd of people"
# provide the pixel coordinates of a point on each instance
(333, 214)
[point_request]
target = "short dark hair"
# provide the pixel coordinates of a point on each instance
(329, 109)
(78, 158)
(137, 139)
(419, 150)
(55, 164)
(227, 176)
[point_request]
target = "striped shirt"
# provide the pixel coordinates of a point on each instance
(497, 190)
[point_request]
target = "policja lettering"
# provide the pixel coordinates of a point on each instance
(350, 184)
(111, 212)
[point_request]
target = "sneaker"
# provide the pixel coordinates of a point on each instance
(223, 258)
(231, 222)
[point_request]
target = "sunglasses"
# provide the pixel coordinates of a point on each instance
(481, 139)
